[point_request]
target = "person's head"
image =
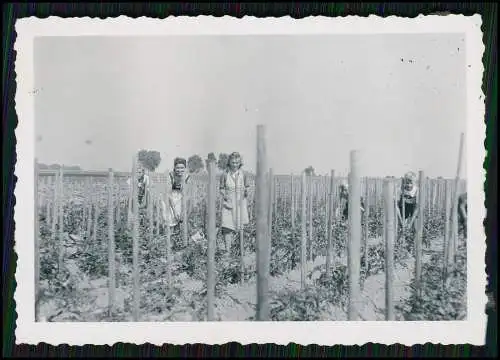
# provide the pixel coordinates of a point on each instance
(234, 161)
(179, 166)
(140, 172)
(409, 181)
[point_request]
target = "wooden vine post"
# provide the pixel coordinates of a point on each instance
(89, 197)
(211, 232)
(271, 205)
(184, 212)
(310, 214)
(329, 225)
(292, 207)
(366, 232)
(419, 232)
(55, 208)
(111, 245)
(263, 246)
(241, 205)
(60, 213)
(135, 241)
(303, 238)
(448, 243)
(389, 235)
(454, 211)
(354, 237)
(37, 244)
(168, 234)
(149, 204)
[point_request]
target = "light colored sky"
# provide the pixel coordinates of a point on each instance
(398, 99)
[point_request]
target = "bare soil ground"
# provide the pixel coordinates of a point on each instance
(85, 299)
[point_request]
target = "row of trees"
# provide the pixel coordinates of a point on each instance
(151, 159)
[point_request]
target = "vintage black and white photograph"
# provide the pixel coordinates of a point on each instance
(245, 177)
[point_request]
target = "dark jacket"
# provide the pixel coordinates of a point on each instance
(345, 211)
(410, 205)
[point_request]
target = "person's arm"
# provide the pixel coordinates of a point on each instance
(461, 207)
(147, 197)
(399, 217)
(463, 210)
(245, 184)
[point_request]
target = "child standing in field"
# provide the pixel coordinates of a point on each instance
(408, 199)
(234, 191)
(407, 204)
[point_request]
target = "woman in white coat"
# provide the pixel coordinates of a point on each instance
(234, 191)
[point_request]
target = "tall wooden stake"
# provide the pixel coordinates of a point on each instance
(60, 213)
(111, 245)
(389, 235)
(303, 238)
(211, 215)
(354, 237)
(263, 246)
(420, 230)
(454, 212)
(37, 244)
(329, 248)
(135, 241)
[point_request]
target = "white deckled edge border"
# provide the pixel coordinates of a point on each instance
(324, 333)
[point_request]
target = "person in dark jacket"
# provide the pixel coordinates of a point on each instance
(408, 199)
(407, 209)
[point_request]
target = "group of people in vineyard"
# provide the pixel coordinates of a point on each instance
(234, 188)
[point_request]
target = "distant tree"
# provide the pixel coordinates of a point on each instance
(222, 163)
(150, 159)
(195, 163)
(210, 157)
(309, 170)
